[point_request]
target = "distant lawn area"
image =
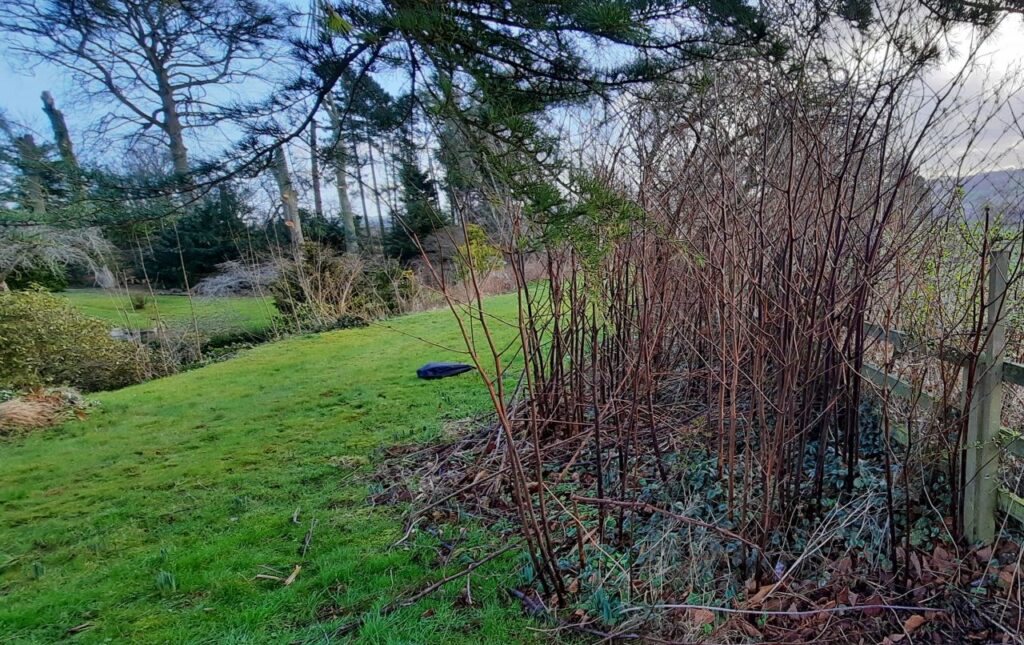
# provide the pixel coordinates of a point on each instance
(149, 521)
(215, 316)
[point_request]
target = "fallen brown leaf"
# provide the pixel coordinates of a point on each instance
(702, 616)
(915, 564)
(1006, 577)
(750, 630)
(759, 597)
(874, 611)
(912, 623)
(845, 565)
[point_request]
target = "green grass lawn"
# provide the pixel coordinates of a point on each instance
(216, 316)
(199, 474)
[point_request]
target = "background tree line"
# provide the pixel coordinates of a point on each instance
(206, 98)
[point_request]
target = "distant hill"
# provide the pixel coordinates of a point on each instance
(1000, 190)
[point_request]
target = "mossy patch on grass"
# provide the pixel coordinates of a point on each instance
(196, 478)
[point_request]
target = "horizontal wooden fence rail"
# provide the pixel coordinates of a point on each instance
(986, 437)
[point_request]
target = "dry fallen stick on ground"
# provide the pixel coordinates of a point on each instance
(285, 581)
(295, 574)
(309, 536)
(481, 478)
(79, 628)
(804, 613)
(443, 581)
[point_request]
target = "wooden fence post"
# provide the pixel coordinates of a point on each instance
(983, 424)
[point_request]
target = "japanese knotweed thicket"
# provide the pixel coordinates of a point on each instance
(711, 277)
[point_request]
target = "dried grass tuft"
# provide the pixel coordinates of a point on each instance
(40, 409)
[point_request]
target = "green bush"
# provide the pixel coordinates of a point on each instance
(485, 256)
(44, 341)
(49, 278)
(188, 249)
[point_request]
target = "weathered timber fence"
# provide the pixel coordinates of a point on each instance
(985, 438)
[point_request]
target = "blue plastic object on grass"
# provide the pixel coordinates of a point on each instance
(442, 370)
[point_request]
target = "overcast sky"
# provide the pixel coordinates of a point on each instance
(996, 78)
(1001, 145)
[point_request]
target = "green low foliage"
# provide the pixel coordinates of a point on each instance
(484, 256)
(49, 278)
(180, 251)
(44, 340)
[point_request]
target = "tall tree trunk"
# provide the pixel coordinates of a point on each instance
(391, 184)
(362, 190)
(289, 198)
(62, 136)
(60, 132)
(340, 180)
(314, 171)
(432, 172)
(172, 125)
(103, 275)
(376, 192)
